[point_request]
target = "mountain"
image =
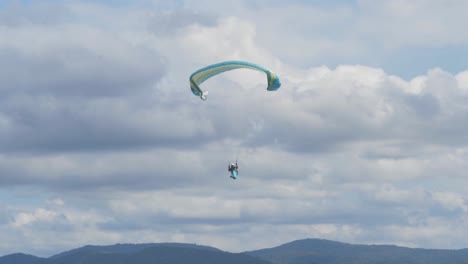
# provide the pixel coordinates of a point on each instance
(318, 251)
(170, 255)
(19, 258)
(163, 253)
(307, 251)
(129, 248)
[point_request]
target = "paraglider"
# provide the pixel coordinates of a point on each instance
(234, 170)
(207, 72)
(203, 74)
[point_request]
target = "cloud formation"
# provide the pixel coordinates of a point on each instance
(102, 141)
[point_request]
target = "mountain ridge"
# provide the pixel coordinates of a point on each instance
(128, 248)
(304, 251)
(333, 252)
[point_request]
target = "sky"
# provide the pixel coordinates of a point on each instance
(102, 142)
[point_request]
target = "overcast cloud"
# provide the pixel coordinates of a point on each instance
(102, 142)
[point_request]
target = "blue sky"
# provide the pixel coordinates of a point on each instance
(102, 142)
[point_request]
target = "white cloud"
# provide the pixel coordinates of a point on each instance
(39, 215)
(450, 200)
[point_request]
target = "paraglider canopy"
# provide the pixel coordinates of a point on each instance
(207, 72)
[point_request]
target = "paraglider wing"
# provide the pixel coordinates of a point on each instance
(207, 72)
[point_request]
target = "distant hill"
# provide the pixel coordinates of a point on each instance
(164, 253)
(307, 251)
(172, 255)
(19, 258)
(318, 251)
(129, 248)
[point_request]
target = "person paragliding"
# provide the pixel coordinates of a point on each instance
(203, 74)
(234, 170)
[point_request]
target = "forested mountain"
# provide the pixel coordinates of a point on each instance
(307, 251)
